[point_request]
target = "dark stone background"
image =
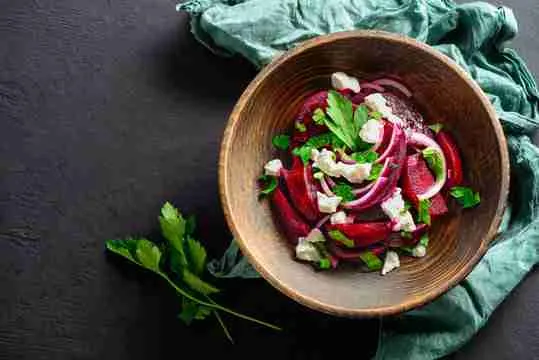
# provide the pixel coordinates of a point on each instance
(107, 109)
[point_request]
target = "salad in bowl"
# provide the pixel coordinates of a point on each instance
(362, 176)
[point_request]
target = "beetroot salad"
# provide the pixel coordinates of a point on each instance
(365, 177)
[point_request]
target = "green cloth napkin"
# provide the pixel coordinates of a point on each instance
(474, 35)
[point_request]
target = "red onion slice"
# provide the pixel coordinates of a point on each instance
(322, 221)
(393, 83)
(325, 187)
(397, 137)
(370, 198)
(424, 141)
(373, 86)
(362, 190)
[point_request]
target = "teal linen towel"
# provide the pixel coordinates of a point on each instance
(475, 36)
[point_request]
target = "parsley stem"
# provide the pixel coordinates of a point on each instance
(216, 306)
(220, 320)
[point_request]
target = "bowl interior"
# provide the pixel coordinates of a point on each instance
(443, 93)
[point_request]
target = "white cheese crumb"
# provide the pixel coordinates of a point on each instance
(339, 217)
(371, 131)
(394, 209)
(325, 161)
(377, 102)
(419, 251)
(391, 262)
(355, 173)
(341, 81)
(328, 204)
(315, 235)
(306, 251)
(273, 167)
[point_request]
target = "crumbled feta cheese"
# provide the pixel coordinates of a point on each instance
(328, 204)
(341, 81)
(394, 208)
(306, 251)
(339, 218)
(405, 222)
(419, 251)
(325, 161)
(355, 173)
(273, 167)
(391, 262)
(315, 236)
(371, 131)
(377, 102)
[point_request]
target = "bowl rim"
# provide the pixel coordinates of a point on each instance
(314, 303)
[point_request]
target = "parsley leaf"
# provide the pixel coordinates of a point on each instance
(376, 170)
(340, 121)
(434, 160)
(436, 127)
(300, 126)
(186, 260)
(193, 311)
(268, 185)
(423, 213)
(304, 153)
(340, 237)
(372, 261)
(324, 263)
(465, 196)
(406, 234)
(361, 115)
(281, 142)
(424, 240)
(344, 191)
(319, 117)
(368, 156)
(376, 115)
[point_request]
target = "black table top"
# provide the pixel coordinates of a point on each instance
(109, 108)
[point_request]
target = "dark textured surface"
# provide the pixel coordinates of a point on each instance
(109, 107)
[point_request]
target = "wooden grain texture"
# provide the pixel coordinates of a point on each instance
(444, 93)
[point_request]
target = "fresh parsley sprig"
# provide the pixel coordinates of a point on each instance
(181, 261)
(465, 196)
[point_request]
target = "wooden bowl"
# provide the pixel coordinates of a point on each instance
(443, 91)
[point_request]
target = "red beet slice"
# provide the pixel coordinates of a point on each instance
(317, 100)
(353, 254)
(364, 234)
(301, 191)
(388, 132)
(292, 223)
(452, 157)
(416, 179)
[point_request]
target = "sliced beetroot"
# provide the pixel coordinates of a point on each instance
(416, 179)
(396, 239)
(364, 234)
(313, 102)
(291, 221)
(354, 255)
(301, 191)
(452, 157)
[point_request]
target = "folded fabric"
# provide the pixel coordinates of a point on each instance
(475, 36)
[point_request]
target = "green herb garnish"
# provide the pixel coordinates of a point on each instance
(465, 196)
(376, 170)
(319, 117)
(424, 240)
(324, 263)
(434, 160)
(300, 126)
(340, 237)
(436, 127)
(423, 213)
(343, 122)
(406, 234)
(281, 142)
(345, 191)
(181, 261)
(372, 261)
(376, 115)
(316, 142)
(269, 183)
(368, 156)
